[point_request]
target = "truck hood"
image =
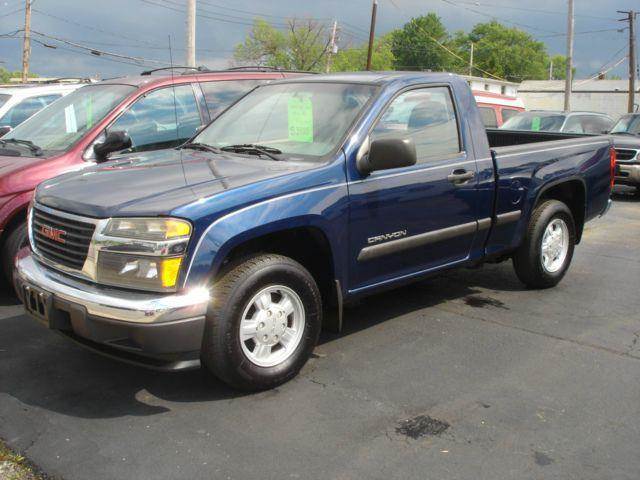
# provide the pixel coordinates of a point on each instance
(156, 183)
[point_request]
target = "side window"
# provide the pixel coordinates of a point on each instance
(489, 118)
(219, 95)
(25, 109)
(425, 115)
(151, 120)
(596, 124)
(507, 113)
(574, 125)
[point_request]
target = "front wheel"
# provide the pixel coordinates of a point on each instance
(263, 322)
(547, 249)
(16, 239)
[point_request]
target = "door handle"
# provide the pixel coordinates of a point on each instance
(460, 176)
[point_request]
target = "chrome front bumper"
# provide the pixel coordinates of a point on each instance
(627, 174)
(108, 302)
(162, 332)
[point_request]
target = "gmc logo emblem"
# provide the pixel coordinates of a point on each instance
(54, 234)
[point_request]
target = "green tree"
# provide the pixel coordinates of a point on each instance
(6, 75)
(355, 58)
(415, 45)
(301, 46)
(508, 53)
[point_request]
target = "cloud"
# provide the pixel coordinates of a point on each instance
(138, 28)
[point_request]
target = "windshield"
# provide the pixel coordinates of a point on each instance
(628, 124)
(66, 121)
(306, 120)
(535, 122)
(3, 98)
(26, 108)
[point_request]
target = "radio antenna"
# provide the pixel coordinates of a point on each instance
(173, 89)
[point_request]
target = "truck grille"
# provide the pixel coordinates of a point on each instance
(60, 239)
(625, 154)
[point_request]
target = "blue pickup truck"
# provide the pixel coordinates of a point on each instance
(234, 250)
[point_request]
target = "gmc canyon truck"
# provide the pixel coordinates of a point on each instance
(235, 249)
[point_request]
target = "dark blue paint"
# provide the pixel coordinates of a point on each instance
(232, 199)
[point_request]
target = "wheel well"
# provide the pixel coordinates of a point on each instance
(307, 245)
(572, 194)
(17, 218)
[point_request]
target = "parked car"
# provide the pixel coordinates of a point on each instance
(563, 122)
(628, 124)
(495, 109)
(147, 112)
(236, 248)
(22, 101)
(626, 133)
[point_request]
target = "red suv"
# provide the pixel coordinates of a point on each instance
(130, 114)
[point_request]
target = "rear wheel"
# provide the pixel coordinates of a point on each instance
(263, 322)
(16, 239)
(546, 252)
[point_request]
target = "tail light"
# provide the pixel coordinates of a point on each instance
(612, 159)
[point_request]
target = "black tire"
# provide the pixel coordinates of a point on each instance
(222, 352)
(527, 260)
(16, 239)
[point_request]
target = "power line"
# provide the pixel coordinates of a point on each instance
(97, 52)
(12, 12)
(478, 12)
(93, 28)
(534, 10)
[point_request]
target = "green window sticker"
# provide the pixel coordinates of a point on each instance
(300, 113)
(535, 124)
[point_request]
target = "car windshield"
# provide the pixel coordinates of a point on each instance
(304, 121)
(628, 124)
(4, 97)
(66, 121)
(535, 122)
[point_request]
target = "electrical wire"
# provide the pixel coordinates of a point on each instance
(96, 52)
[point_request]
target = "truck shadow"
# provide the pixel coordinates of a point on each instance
(41, 369)
(622, 193)
(464, 284)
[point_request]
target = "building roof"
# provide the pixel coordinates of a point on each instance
(579, 85)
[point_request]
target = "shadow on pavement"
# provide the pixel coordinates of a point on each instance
(41, 369)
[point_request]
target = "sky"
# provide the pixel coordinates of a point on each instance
(144, 28)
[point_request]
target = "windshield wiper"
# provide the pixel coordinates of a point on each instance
(35, 149)
(201, 146)
(252, 148)
(623, 133)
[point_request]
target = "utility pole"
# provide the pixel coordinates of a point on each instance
(372, 32)
(333, 48)
(26, 42)
(631, 18)
(569, 71)
(551, 69)
(471, 61)
(191, 33)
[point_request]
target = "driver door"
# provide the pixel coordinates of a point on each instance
(409, 220)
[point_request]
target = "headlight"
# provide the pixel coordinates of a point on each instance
(148, 228)
(142, 253)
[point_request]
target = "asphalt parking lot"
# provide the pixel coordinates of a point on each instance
(521, 384)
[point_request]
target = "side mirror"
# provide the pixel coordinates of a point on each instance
(387, 153)
(4, 130)
(114, 142)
